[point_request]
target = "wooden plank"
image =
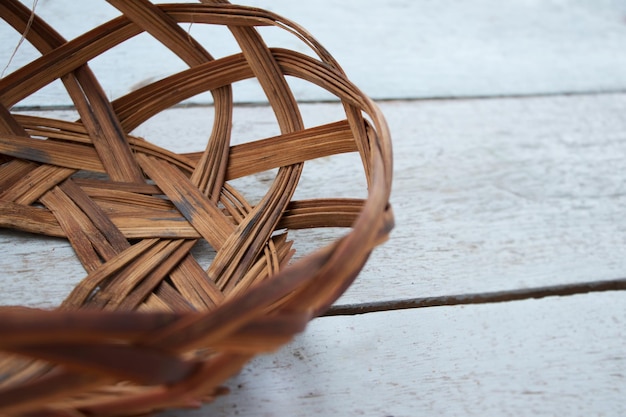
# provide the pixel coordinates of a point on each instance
(421, 49)
(500, 194)
(489, 195)
(559, 356)
(391, 49)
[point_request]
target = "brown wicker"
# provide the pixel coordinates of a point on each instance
(148, 328)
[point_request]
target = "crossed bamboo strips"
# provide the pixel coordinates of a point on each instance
(148, 328)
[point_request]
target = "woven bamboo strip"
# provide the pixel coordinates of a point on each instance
(37, 182)
(29, 219)
(59, 154)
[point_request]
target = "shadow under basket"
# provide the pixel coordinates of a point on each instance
(149, 328)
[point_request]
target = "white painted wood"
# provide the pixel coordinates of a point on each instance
(500, 194)
(392, 49)
(489, 195)
(560, 356)
(425, 49)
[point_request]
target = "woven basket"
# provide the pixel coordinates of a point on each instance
(148, 328)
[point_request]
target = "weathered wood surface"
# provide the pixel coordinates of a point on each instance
(396, 49)
(500, 194)
(551, 357)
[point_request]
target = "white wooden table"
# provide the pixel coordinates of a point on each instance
(509, 129)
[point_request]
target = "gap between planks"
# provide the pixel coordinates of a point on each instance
(479, 298)
(588, 93)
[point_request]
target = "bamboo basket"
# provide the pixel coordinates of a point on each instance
(148, 328)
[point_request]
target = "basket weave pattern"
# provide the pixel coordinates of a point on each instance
(148, 328)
